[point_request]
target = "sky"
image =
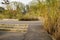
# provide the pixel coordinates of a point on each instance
(23, 1)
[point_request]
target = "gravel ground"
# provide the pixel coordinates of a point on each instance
(37, 32)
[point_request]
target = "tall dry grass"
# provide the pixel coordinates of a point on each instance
(52, 25)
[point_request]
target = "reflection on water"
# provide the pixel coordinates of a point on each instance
(14, 27)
